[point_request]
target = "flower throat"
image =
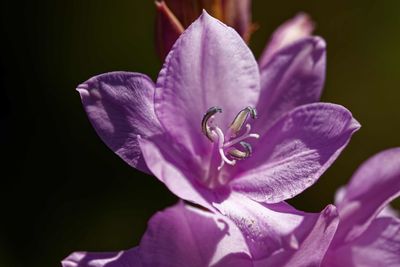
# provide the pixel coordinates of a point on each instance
(231, 145)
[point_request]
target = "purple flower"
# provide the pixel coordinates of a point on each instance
(173, 16)
(221, 135)
(369, 231)
(186, 236)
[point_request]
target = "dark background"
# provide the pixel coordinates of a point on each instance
(64, 190)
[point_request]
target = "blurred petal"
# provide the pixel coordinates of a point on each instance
(313, 248)
(289, 32)
(128, 258)
(237, 14)
(373, 186)
(379, 245)
(294, 76)
(120, 107)
(168, 29)
(208, 66)
(177, 174)
(185, 11)
(295, 152)
(187, 236)
(387, 211)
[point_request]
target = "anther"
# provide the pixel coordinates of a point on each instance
(241, 118)
(205, 127)
(238, 154)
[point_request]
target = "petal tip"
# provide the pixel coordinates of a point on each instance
(319, 43)
(355, 125)
(83, 91)
(330, 211)
(305, 22)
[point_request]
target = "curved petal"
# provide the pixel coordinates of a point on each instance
(294, 76)
(188, 236)
(274, 229)
(120, 107)
(128, 258)
(311, 251)
(289, 32)
(174, 172)
(379, 245)
(373, 186)
(208, 66)
(294, 153)
(267, 229)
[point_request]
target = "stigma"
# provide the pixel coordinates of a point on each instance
(232, 145)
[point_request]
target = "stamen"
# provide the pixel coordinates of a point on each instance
(238, 154)
(246, 135)
(207, 119)
(226, 150)
(221, 151)
(241, 118)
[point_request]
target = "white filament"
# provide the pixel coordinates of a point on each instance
(246, 135)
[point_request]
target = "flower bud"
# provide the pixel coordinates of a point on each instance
(173, 16)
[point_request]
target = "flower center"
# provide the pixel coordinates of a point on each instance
(231, 145)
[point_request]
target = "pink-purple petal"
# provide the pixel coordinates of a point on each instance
(170, 167)
(295, 152)
(120, 107)
(373, 186)
(128, 258)
(187, 236)
(289, 32)
(273, 229)
(379, 245)
(293, 77)
(209, 65)
(311, 251)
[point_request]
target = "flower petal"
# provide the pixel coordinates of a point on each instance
(294, 76)
(187, 236)
(174, 172)
(312, 249)
(373, 186)
(289, 32)
(273, 229)
(379, 245)
(128, 258)
(120, 107)
(209, 65)
(294, 153)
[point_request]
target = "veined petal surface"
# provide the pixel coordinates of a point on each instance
(120, 107)
(295, 152)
